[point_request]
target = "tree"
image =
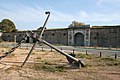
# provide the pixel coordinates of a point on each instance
(15, 30)
(7, 25)
(76, 24)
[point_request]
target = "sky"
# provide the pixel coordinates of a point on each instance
(30, 14)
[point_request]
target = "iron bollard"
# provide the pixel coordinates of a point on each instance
(20, 46)
(42, 48)
(100, 54)
(73, 51)
(115, 56)
(51, 49)
(86, 52)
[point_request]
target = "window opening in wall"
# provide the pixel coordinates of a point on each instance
(97, 34)
(95, 37)
(8, 35)
(20, 35)
(64, 34)
(53, 34)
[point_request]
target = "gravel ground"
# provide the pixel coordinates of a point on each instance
(46, 65)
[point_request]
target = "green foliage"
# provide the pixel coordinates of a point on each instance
(94, 60)
(50, 68)
(7, 25)
(53, 68)
(107, 59)
(110, 61)
(88, 65)
(76, 24)
(15, 30)
(83, 56)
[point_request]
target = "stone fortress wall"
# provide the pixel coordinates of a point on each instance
(106, 36)
(102, 36)
(53, 36)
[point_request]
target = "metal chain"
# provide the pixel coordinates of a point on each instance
(16, 46)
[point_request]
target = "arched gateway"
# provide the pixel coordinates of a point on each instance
(79, 36)
(79, 39)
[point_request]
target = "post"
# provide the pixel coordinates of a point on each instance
(61, 49)
(51, 49)
(73, 51)
(42, 48)
(115, 56)
(20, 46)
(86, 52)
(100, 54)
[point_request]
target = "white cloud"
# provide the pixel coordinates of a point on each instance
(22, 13)
(98, 17)
(57, 16)
(19, 12)
(83, 14)
(100, 2)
